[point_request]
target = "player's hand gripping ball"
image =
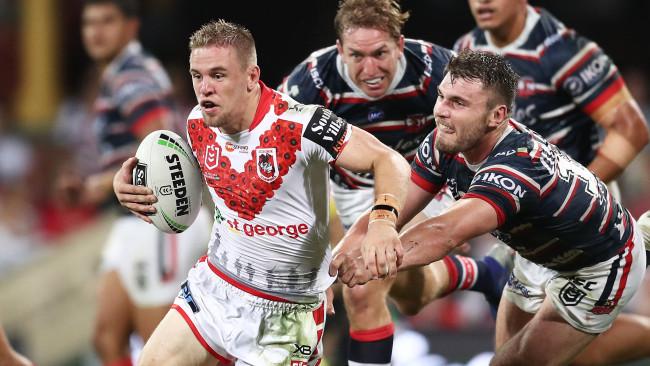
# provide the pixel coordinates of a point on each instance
(167, 166)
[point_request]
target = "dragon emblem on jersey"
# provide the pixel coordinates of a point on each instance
(246, 192)
(267, 168)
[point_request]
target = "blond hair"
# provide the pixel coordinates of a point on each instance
(385, 15)
(221, 33)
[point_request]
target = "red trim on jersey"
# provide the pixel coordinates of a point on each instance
(610, 211)
(199, 337)
(266, 94)
(605, 96)
(572, 194)
(423, 183)
(243, 287)
(572, 69)
(550, 189)
(501, 215)
(146, 118)
(592, 209)
(371, 335)
(525, 57)
(626, 270)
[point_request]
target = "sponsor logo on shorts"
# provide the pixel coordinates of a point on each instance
(186, 295)
(603, 309)
(571, 295)
(517, 286)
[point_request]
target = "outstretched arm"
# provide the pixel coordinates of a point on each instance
(381, 249)
(348, 260)
(626, 134)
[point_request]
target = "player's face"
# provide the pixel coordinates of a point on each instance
(371, 56)
(220, 83)
(461, 114)
(105, 31)
(493, 15)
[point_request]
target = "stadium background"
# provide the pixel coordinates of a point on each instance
(49, 256)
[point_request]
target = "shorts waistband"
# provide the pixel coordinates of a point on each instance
(259, 298)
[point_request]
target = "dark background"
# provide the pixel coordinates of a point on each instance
(287, 31)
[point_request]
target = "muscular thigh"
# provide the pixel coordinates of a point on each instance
(173, 343)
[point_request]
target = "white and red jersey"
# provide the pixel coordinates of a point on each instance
(269, 184)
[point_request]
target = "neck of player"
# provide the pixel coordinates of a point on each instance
(510, 30)
(244, 119)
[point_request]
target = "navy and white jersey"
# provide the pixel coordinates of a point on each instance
(564, 79)
(400, 119)
(550, 209)
(134, 90)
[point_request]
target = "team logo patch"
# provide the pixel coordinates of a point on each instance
(267, 164)
(211, 156)
(571, 295)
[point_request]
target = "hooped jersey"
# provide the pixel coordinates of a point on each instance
(550, 208)
(400, 119)
(270, 187)
(134, 90)
(564, 78)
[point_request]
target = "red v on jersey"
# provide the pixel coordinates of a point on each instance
(246, 192)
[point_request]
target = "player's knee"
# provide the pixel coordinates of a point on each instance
(360, 299)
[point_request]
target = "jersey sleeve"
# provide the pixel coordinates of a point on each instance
(505, 184)
(425, 168)
(140, 99)
(328, 133)
(301, 86)
(582, 70)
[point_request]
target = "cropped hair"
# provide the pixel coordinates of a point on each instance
(221, 33)
(129, 8)
(492, 70)
(385, 15)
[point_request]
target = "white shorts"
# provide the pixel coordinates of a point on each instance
(240, 325)
(352, 203)
(152, 264)
(588, 299)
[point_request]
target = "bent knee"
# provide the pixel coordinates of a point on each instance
(363, 299)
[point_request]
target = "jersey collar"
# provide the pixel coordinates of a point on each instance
(266, 95)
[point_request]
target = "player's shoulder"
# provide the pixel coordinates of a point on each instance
(470, 40)
(422, 49)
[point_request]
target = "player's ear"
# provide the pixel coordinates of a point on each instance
(339, 46)
(253, 77)
(498, 114)
(400, 43)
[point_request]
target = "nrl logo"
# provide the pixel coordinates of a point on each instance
(267, 164)
(211, 156)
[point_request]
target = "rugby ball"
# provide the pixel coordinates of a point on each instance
(167, 166)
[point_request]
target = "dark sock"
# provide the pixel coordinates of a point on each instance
(372, 346)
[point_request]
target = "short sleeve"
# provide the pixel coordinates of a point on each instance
(328, 132)
(505, 187)
(583, 70)
(140, 99)
(425, 168)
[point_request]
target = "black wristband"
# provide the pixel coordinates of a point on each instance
(386, 208)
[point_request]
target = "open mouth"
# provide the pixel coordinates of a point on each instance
(208, 106)
(374, 81)
(484, 13)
